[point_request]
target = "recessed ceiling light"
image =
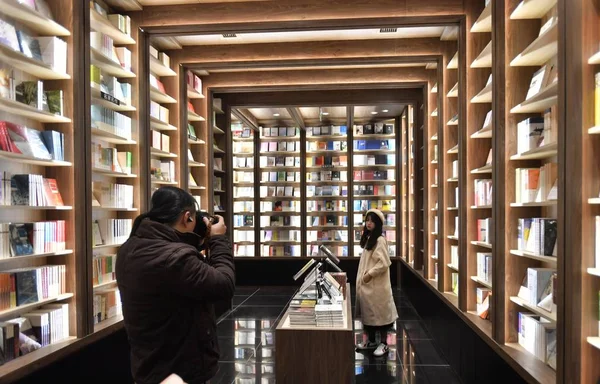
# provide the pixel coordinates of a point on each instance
(276, 114)
(325, 113)
(374, 113)
(384, 110)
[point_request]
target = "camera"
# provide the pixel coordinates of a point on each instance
(201, 228)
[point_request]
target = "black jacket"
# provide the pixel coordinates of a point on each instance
(167, 292)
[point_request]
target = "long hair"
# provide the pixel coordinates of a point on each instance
(167, 204)
(369, 238)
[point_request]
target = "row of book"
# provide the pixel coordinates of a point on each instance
(374, 129)
(192, 133)
(243, 221)
(382, 205)
(279, 146)
(113, 195)
(536, 184)
(330, 235)
(105, 44)
(483, 302)
(484, 228)
(238, 131)
(283, 191)
(281, 176)
(279, 132)
(243, 250)
(30, 190)
(121, 22)
(193, 81)
(46, 145)
(314, 206)
(537, 335)
(111, 231)
(111, 159)
(326, 190)
(31, 93)
(329, 145)
(482, 192)
(30, 285)
(337, 250)
(278, 161)
(159, 112)
(389, 175)
(163, 170)
(243, 147)
(369, 145)
(537, 236)
(292, 235)
(327, 175)
(325, 220)
(484, 266)
(242, 192)
(327, 130)
(454, 256)
(281, 250)
(106, 304)
(157, 84)
(35, 329)
(327, 161)
(111, 121)
(22, 239)
(49, 50)
(103, 269)
(280, 206)
(111, 89)
(361, 160)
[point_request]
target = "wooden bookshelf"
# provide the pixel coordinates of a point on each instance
(432, 159)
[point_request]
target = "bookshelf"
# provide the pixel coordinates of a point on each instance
(432, 161)
(197, 139)
(405, 187)
(477, 278)
(37, 234)
(165, 123)
(244, 216)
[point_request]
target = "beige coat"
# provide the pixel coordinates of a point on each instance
(374, 302)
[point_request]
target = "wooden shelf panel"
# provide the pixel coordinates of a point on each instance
(594, 341)
(540, 153)
(483, 170)
(594, 271)
(453, 63)
(165, 182)
(114, 209)
(595, 59)
(37, 207)
(161, 97)
(192, 116)
(196, 164)
(101, 24)
(8, 260)
(534, 308)
(481, 281)
(481, 207)
(484, 60)
(28, 307)
(107, 172)
(594, 131)
(108, 65)
(16, 108)
(116, 321)
(106, 135)
(105, 285)
(543, 100)
(159, 69)
(453, 92)
(548, 203)
(542, 49)
(484, 133)
(484, 21)
(434, 113)
(159, 125)
(20, 158)
(105, 246)
(532, 9)
(33, 67)
(33, 19)
(482, 244)
(193, 94)
(453, 267)
(219, 131)
(159, 153)
(547, 259)
(484, 96)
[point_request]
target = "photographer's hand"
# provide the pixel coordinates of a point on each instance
(216, 229)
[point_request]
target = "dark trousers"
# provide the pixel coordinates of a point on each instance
(372, 331)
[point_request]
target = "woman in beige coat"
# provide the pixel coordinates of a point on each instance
(374, 302)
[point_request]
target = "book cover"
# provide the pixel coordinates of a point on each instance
(29, 46)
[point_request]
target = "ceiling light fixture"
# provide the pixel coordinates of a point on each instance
(325, 113)
(229, 35)
(374, 113)
(276, 114)
(388, 30)
(385, 110)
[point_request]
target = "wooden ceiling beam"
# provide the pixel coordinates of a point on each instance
(297, 116)
(246, 117)
(290, 14)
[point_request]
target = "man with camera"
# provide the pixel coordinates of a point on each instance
(168, 289)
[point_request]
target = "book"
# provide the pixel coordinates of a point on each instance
(29, 46)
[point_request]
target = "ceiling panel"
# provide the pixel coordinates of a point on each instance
(150, 3)
(297, 36)
(313, 113)
(269, 114)
(313, 67)
(379, 112)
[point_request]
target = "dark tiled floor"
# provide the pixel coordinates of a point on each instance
(246, 340)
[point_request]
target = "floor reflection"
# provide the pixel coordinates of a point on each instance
(247, 343)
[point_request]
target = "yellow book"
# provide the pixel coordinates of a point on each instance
(597, 101)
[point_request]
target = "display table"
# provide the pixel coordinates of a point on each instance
(311, 354)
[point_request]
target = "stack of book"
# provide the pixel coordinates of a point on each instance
(302, 312)
(329, 315)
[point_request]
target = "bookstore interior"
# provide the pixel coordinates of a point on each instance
(291, 119)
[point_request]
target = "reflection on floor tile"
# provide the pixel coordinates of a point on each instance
(247, 343)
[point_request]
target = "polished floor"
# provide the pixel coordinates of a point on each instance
(246, 340)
